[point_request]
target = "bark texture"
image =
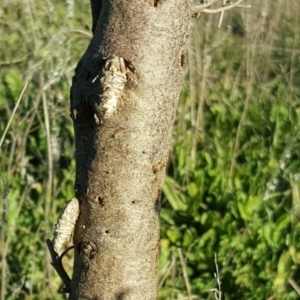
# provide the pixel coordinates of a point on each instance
(123, 104)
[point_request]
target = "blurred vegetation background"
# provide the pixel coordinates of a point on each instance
(232, 190)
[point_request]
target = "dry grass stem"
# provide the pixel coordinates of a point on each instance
(13, 113)
(185, 275)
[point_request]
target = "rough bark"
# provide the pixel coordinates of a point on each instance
(123, 103)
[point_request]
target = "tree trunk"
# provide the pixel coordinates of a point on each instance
(123, 103)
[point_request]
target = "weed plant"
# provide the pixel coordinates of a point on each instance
(233, 180)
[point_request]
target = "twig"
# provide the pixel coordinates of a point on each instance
(202, 9)
(83, 32)
(58, 266)
(209, 3)
(221, 19)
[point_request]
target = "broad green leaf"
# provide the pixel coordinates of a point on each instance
(167, 215)
(268, 231)
(243, 211)
(189, 237)
(174, 195)
(253, 204)
(192, 189)
(174, 235)
(14, 82)
(284, 270)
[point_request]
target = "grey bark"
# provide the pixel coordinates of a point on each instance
(123, 104)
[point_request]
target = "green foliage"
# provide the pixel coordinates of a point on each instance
(41, 43)
(233, 183)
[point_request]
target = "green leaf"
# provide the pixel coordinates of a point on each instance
(284, 270)
(174, 235)
(243, 211)
(14, 82)
(174, 195)
(268, 231)
(167, 215)
(253, 204)
(192, 189)
(189, 237)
